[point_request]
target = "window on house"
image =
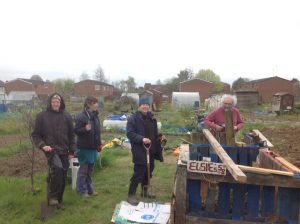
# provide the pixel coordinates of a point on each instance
(97, 87)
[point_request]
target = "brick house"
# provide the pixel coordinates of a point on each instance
(39, 87)
(296, 90)
(267, 87)
(205, 88)
(93, 88)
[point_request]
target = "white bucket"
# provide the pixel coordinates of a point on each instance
(74, 166)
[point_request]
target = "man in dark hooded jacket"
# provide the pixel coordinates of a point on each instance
(54, 135)
(142, 132)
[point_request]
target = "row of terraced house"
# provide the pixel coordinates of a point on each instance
(265, 88)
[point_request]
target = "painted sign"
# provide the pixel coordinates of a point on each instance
(206, 167)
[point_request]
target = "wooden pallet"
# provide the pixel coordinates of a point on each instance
(263, 196)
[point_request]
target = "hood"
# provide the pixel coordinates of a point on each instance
(62, 102)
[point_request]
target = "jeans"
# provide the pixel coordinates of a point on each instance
(84, 179)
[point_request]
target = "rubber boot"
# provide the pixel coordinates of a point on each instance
(131, 194)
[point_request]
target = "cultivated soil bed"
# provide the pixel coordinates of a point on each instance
(286, 142)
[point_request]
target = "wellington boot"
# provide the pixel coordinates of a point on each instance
(132, 200)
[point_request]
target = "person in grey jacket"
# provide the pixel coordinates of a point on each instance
(54, 135)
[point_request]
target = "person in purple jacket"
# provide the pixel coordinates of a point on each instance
(216, 119)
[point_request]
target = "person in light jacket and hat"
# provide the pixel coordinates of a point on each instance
(54, 135)
(142, 132)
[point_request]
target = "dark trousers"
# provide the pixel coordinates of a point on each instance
(84, 179)
(140, 176)
(59, 165)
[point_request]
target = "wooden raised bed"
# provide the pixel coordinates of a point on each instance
(266, 193)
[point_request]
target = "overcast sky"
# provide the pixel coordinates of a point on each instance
(149, 40)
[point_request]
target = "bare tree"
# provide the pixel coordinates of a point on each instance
(84, 76)
(185, 74)
(128, 85)
(64, 86)
(99, 74)
(237, 83)
(27, 126)
(36, 77)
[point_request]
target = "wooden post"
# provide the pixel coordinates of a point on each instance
(180, 195)
(235, 171)
(229, 129)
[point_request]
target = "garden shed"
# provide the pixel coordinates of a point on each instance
(185, 99)
(247, 99)
(282, 102)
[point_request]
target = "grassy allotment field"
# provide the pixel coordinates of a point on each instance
(19, 205)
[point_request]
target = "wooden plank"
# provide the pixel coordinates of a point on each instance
(287, 164)
(265, 171)
(252, 178)
(294, 203)
(224, 198)
(268, 200)
(253, 200)
(194, 195)
(196, 220)
(180, 195)
(238, 201)
(268, 161)
(210, 205)
(184, 154)
(263, 138)
(284, 202)
(204, 191)
(237, 174)
(185, 141)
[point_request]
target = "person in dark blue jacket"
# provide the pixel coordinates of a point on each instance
(87, 129)
(142, 131)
